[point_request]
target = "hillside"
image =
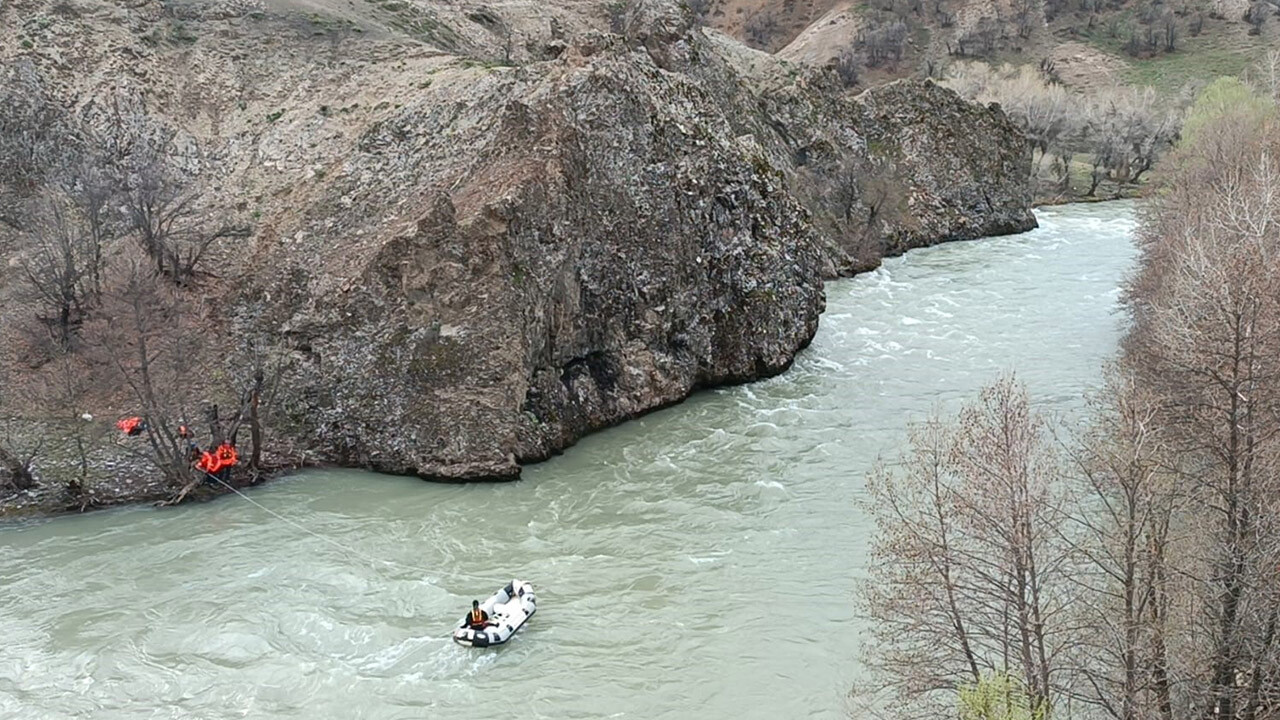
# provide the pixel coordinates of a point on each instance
(446, 240)
(1174, 46)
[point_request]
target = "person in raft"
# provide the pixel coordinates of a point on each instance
(478, 619)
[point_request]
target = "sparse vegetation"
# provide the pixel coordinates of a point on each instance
(761, 29)
(1130, 571)
(93, 201)
(1121, 132)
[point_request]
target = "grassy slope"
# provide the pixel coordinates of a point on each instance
(1087, 51)
(1223, 47)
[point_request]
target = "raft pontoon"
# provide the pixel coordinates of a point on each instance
(508, 610)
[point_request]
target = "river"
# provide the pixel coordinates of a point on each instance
(698, 562)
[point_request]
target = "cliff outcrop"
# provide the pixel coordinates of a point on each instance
(604, 246)
(479, 238)
(900, 166)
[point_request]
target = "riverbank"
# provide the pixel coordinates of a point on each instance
(1124, 194)
(135, 484)
(142, 484)
(455, 266)
(1047, 190)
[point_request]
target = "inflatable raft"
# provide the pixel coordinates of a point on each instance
(508, 610)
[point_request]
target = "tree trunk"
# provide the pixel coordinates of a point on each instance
(216, 436)
(19, 472)
(255, 425)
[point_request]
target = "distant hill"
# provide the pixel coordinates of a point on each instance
(1173, 46)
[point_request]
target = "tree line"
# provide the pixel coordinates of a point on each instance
(1130, 569)
(1113, 136)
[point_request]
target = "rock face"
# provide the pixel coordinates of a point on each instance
(467, 266)
(904, 165)
(956, 188)
(614, 248)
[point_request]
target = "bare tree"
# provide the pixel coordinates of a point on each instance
(760, 29)
(60, 393)
(1012, 514)
(151, 345)
(163, 213)
(35, 137)
(1267, 74)
(1026, 15)
(16, 463)
(1146, 584)
(1206, 341)
(862, 199)
(17, 456)
(1052, 119)
(1123, 131)
(1169, 30)
(62, 264)
(967, 565)
(922, 642)
(1121, 532)
(92, 188)
(983, 39)
(882, 42)
(1127, 132)
(261, 370)
(849, 67)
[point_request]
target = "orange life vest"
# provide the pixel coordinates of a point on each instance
(208, 462)
(130, 425)
(224, 457)
(227, 456)
(477, 616)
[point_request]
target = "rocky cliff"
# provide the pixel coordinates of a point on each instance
(899, 166)
(481, 238)
(604, 246)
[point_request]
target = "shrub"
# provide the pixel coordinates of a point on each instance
(998, 696)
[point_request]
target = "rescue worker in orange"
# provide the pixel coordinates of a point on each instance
(217, 465)
(478, 618)
(227, 459)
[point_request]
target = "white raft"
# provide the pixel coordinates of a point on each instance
(508, 610)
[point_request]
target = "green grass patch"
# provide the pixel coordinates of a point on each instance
(1171, 73)
(1109, 34)
(1221, 49)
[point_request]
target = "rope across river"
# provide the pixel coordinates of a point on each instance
(346, 548)
(224, 457)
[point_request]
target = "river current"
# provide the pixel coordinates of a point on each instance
(699, 562)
